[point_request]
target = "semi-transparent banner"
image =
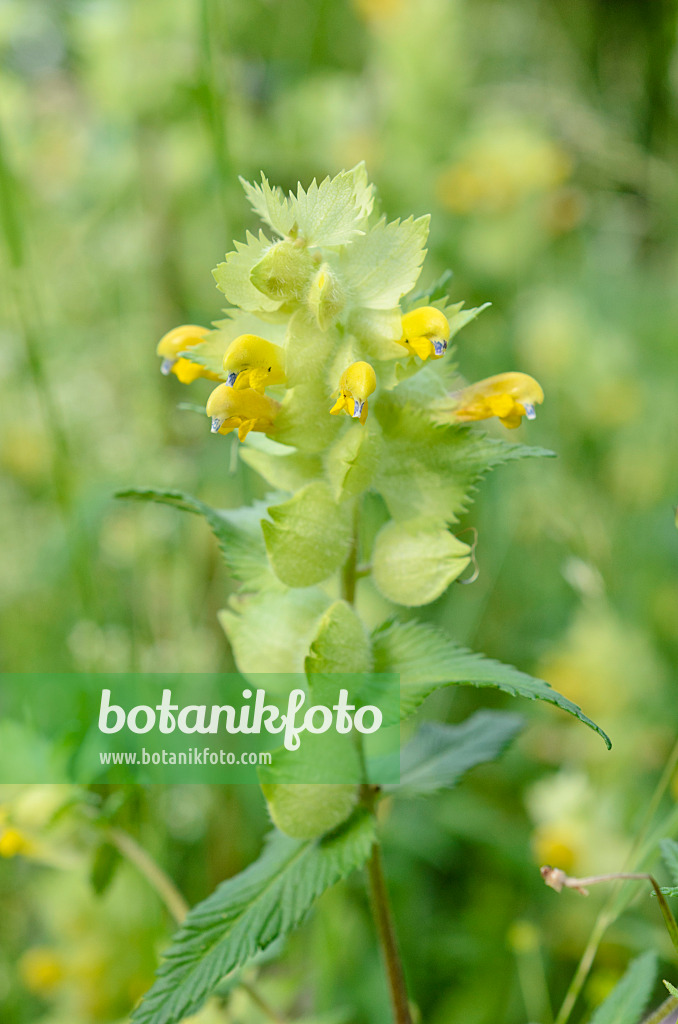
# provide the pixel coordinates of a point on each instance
(199, 728)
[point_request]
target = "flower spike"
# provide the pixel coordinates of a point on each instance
(508, 396)
(244, 410)
(179, 340)
(426, 332)
(253, 362)
(356, 384)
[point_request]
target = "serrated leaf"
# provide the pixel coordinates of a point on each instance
(335, 212)
(669, 849)
(630, 996)
(414, 562)
(433, 471)
(309, 536)
(272, 631)
(236, 530)
(353, 459)
(247, 913)
(341, 643)
(270, 204)
(383, 265)
(427, 660)
(233, 275)
(438, 754)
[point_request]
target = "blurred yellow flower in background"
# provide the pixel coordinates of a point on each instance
(179, 340)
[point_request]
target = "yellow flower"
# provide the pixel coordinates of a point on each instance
(176, 341)
(508, 396)
(253, 362)
(426, 332)
(356, 384)
(41, 969)
(13, 842)
(245, 410)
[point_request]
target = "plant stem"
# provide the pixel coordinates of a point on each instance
(381, 906)
(383, 917)
(152, 872)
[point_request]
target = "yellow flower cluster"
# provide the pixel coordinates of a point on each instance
(251, 364)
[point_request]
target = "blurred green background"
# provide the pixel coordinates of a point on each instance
(542, 137)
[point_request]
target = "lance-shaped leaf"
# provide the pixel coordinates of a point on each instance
(237, 531)
(414, 562)
(247, 913)
(309, 536)
(384, 264)
(341, 643)
(629, 997)
(427, 660)
(438, 754)
(233, 275)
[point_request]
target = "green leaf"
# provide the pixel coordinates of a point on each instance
(670, 988)
(106, 860)
(282, 467)
(628, 999)
(247, 913)
(427, 660)
(334, 212)
(438, 755)
(272, 631)
(426, 296)
(353, 459)
(669, 848)
(459, 317)
(383, 265)
(325, 297)
(233, 275)
(309, 537)
(432, 471)
(308, 810)
(270, 204)
(414, 562)
(304, 420)
(341, 643)
(237, 530)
